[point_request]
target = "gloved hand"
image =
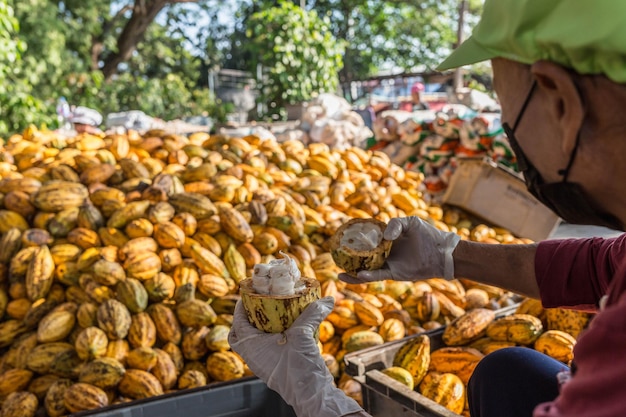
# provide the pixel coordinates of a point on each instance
(419, 251)
(290, 363)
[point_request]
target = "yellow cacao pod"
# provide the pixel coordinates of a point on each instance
(191, 379)
(523, 329)
(138, 245)
(199, 206)
(41, 358)
(265, 243)
(55, 196)
(469, 327)
(401, 375)
(118, 350)
(103, 373)
(141, 227)
(40, 273)
(169, 235)
(414, 356)
(342, 318)
(566, 320)
(224, 366)
(363, 339)
(55, 326)
(392, 329)
(165, 369)
(91, 343)
(143, 265)
(160, 287)
(445, 389)
(81, 396)
(14, 380)
(132, 294)
(83, 238)
(207, 261)
(114, 318)
(557, 344)
(212, 286)
(54, 402)
(40, 385)
(144, 358)
(368, 314)
(142, 332)
(194, 346)
(195, 313)
(10, 244)
(460, 361)
(36, 237)
(235, 264)
(20, 404)
(234, 224)
(131, 211)
(139, 384)
(530, 306)
(167, 325)
(107, 272)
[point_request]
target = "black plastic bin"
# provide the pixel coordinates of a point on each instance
(247, 397)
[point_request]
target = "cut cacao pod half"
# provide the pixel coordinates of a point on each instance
(275, 313)
(359, 245)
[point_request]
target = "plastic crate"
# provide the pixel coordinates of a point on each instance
(382, 395)
(246, 397)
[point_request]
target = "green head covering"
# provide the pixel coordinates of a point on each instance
(588, 36)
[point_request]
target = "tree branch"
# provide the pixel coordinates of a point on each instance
(97, 42)
(144, 13)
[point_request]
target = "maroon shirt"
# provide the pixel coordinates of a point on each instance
(578, 273)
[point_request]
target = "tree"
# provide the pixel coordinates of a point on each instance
(10, 47)
(68, 43)
(379, 34)
(16, 101)
(298, 53)
(391, 34)
(142, 15)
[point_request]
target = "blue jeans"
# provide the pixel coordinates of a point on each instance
(511, 382)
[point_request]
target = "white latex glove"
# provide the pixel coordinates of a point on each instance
(290, 363)
(419, 251)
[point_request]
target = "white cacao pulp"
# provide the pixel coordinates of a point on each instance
(362, 236)
(278, 277)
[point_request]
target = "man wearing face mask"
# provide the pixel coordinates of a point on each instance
(560, 74)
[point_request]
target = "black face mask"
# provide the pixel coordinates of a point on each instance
(568, 200)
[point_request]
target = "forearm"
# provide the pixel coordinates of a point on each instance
(511, 267)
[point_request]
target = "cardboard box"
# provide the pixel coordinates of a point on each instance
(499, 196)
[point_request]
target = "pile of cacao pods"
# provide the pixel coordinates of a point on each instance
(441, 371)
(120, 258)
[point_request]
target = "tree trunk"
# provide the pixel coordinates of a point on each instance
(96, 49)
(97, 42)
(144, 13)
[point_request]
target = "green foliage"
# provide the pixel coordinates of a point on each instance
(10, 48)
(391, 34)
(166, 97)
(54, 48)
(299, 55)
(62, 45)
(18, 107)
